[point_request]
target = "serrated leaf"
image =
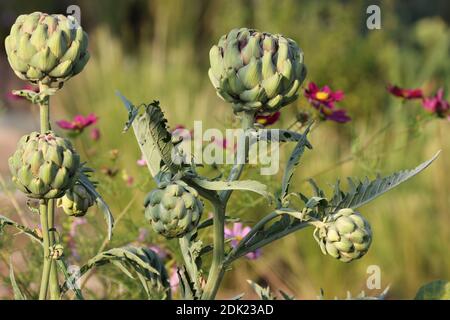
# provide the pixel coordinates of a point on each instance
(248, 185)
(4, 221)
(18, 295)
(263, 293)
(435, 290)
(133, 259)
(286, 296)
(363, 192)
(70, 280)
(154, 140)
(102, 205)
(293, 162)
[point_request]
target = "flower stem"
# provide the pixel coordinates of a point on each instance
(47, 215)
(54, 283)
(43, 205)
(216, 272)
(217, 269)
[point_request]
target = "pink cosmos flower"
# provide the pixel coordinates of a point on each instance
(237, 233)
(72, 234)
(322, 96)
(437, 104)
(95, 134)
(267, 120)
(174, 281)
(407, 94)
(79, 122)
(141, 162)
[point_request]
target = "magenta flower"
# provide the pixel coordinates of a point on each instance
(322, 96)
(323, 99)
(407, 94)
(79, 122)
(237, 233)
(268, 120)
(437, 104)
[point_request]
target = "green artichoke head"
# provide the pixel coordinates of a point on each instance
(47, 49)
(76, 201)
(256, 71)
(44, 166)
(173, 209)
(346, 235)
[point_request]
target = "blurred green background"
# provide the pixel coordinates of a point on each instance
(159, 50)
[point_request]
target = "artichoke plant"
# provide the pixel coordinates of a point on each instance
(174, 209)
(44, 165)
(76, 201)
(47, 49)
(256, 71)
(346, 235)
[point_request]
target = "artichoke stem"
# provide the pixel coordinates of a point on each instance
(216, 271)
(54, 283)
(43, 204)
(44, 110)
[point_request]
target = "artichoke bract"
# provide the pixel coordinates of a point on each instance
(47, 49)
(76, 201)
(345, 236)
(173, 209)
(44, 165)
(256, 71)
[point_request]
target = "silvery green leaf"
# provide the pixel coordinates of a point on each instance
(18, 295)
(154, 140)
(365, 191)
(317, 191)
(435, 290)
(4, 221)
(316, 201)
(293, 162)
(249, 185)
(286, 296)
(238, 297)
(263, 293)
(70, 280)
(103, 206)
(135, 259)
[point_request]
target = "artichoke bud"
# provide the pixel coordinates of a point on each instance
(39, 166)
(42, 48)
(256, 71)
(345, 235)
(76, 201)
(173, 209)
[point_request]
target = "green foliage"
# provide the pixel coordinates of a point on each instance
(435, 290)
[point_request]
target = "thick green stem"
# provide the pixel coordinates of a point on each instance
(44, 111)
(54, 283)
(47, 262)
(47, 209)
(217, 271)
